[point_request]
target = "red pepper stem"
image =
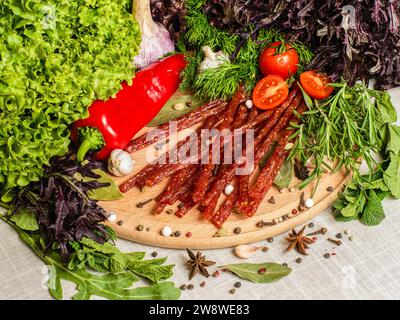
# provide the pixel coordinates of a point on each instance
(90, 139)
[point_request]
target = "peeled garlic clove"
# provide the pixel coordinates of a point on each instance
(120, 163)
(245, 251)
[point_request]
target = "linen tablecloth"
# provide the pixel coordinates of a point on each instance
(366, 268)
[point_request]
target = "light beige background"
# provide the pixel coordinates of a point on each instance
(366, 268)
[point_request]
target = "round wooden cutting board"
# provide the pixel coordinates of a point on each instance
(203, 232)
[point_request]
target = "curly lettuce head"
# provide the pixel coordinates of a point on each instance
(56, 57)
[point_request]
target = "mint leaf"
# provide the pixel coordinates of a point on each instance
(340, 218)
(350, 210)
(373, 213)
(151, 269)
(391, 177)
(108, 257)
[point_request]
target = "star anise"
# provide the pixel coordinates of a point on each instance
(198, 263)
(299, 241)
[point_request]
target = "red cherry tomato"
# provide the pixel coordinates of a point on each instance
(270, 92)
(316, 84)
(282, 64)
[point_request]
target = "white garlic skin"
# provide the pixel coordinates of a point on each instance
(212, 59)
(112, 217)
(120, 163)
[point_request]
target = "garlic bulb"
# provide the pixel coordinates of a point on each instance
(156, 41)
(120, 163)
(212, 59)
(245, 251)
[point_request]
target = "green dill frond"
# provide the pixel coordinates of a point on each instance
(222, 82)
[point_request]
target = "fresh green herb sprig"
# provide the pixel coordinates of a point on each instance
(222, 82)
(354, 124)
(116, 271)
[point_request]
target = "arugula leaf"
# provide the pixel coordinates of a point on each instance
(250, 271)
(391, 177)
(111, 192)
(373, 213)
(25, 220)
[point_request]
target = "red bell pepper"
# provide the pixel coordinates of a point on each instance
(113, 123)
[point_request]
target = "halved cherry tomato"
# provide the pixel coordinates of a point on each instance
(316, 84)
(282, 64)
(270, 92)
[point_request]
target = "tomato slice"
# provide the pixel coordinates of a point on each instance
(270, 92)
(316, 84)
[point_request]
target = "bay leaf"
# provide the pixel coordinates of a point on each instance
(250, 271)
(111, 192)
(285, 175)
(168, 112)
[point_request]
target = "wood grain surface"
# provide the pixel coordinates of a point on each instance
(203, 232)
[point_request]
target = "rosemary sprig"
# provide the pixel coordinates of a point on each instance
(339, 132)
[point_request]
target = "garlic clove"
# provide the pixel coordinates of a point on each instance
(212, 59)
(120, 163)
(245, 251)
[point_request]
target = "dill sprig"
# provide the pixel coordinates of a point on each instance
(223, 81)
